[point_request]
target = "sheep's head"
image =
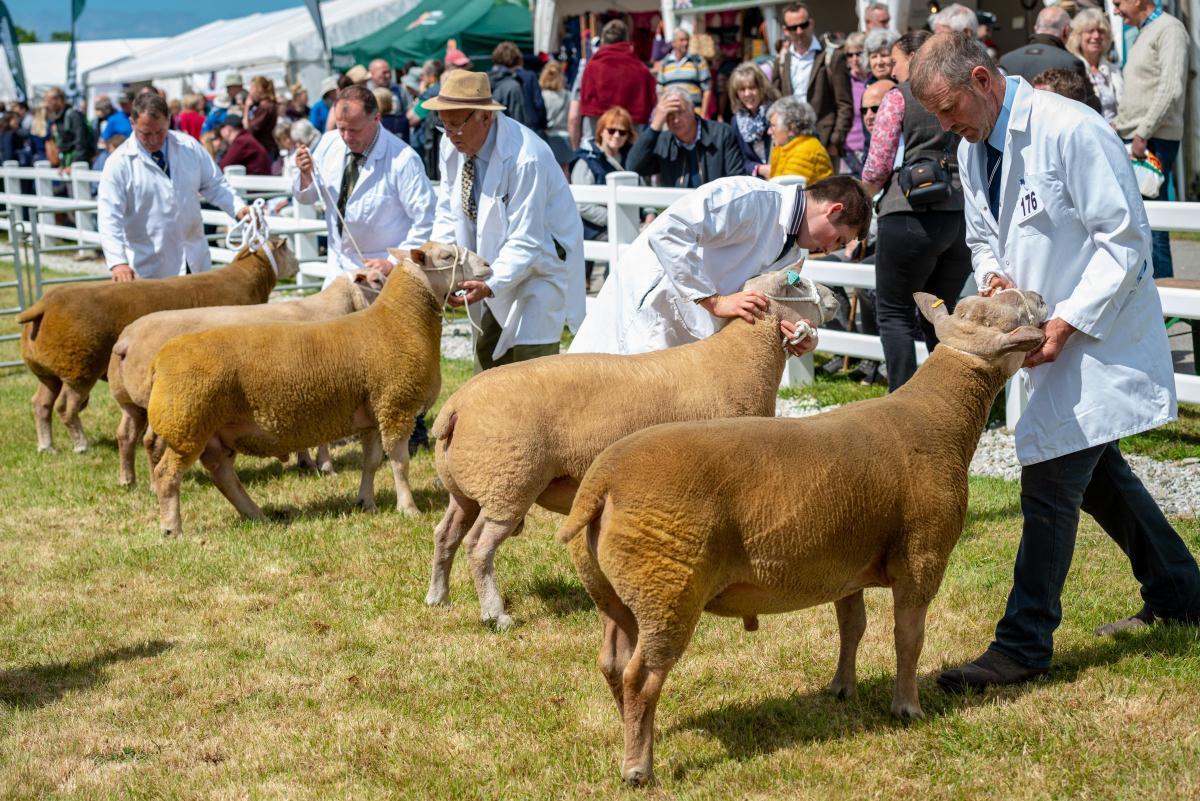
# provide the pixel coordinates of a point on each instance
(795, 299)
(1000, 329)
(285, 260)
(445, 266)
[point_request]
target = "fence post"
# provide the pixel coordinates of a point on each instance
(43, 188)
(305, 245)
(623, 221)
(12, 184)
(81, 189)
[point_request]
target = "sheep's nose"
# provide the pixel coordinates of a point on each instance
(828, 302)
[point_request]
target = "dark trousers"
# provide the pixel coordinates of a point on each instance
(915, 252)
(486, 344)
(1167, 151)
(1098, 481)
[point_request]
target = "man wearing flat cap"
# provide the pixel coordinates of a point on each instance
(504, 196)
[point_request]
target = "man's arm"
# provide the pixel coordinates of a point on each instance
(415, 195)
(843, 97)
(642, 159)
(213, 186)
(521, 252)
(444, 230)
(113, 207)
(983, 258)
(731, 153)
(1169, 91)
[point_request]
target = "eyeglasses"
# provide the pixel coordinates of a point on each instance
(617, 131)
(851, 53)
(800, 26)
(441, 125)
(865, 109)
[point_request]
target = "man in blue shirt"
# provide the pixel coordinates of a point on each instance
(111, 121)
(318, 115)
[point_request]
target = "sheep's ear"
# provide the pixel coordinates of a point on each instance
(1025, 339)
(932, 308)
(418, 256)
(401, 255)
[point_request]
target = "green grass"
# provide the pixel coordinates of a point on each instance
(295, 659)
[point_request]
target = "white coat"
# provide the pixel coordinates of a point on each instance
(709, 242)
(525, 207)
(1087, 251)
(390, 206)
(151, 221)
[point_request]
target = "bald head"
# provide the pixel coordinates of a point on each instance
(381, 73)
(1053, 21)
(871, 99)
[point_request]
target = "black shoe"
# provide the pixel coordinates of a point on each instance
(992, 669)
(1144, 619)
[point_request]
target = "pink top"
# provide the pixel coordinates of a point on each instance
(885, 139)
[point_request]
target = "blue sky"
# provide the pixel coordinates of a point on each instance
(115, 19)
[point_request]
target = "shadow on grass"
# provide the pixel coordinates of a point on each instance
(39, 685)
(753, 729)
(428, 500)
(562, 595)
(265, 471)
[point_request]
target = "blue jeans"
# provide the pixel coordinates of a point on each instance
(1098, 481)
(1167, 151)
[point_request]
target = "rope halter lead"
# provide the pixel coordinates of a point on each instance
(253, 233)
(1024, 301)
(808, 294)
(460, 263)
(330, 203)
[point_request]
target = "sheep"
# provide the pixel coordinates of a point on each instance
(68, 335)
(275, 388)
(129, 367)
(526, 433)
(747, 517)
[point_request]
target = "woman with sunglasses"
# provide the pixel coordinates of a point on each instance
(594, 160)
(860, 76)
(749, 96)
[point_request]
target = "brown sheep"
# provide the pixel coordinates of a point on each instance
(691, 517)
(275, 388)
(68, 335)
(139, 343)
(526, 433)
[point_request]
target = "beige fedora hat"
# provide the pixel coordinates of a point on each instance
(462, 90)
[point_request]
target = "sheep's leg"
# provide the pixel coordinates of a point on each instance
(482, 542)
(324, 460)
(129, 431)
(168, 475)
(71, 401)
(852, 623)
(372, 448)
(43, 410)
(398, 458)
(910, 637)
(304, 461)
(460, 516)
(642, 686)
(218, 461)
(155, 447)
(620, 639)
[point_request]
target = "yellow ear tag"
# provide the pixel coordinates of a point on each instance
(936, 303)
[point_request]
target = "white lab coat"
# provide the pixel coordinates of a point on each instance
(390, 206)
(525, 206)
(152, 222)
(1087, 251)
(710, 242)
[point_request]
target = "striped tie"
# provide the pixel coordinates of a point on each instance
(468, 188)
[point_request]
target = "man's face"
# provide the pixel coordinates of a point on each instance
(825, 232)
(681, 121)
(878, 18)
(151, 131)
(228, 133)
(357, 128)
(798, 26)
(679, 45)
(1132, 11)
(233, 90)
(467, 129)
(871, 100)
(970, 111)
(55, 102)
(102, 111)
(381, 73)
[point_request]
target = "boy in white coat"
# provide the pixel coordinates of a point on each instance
(1052, 206)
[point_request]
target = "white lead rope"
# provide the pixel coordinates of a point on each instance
(253, 233)
(810, 295)
(327, 196)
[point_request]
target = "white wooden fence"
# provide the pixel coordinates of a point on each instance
(623, 198)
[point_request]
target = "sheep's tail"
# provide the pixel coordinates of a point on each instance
(121, 348)
(33, 315)
(443, 426)
(589, 502)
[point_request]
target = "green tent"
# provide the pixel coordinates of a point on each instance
(476, 25)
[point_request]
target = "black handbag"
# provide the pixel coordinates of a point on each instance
(929, 179)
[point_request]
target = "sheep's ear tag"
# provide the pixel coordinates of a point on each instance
(936, 303)
(793, 278)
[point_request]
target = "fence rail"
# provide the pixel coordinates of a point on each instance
(622, 196)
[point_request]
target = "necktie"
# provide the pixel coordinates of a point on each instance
(161, 161)
(349, 179)
(995, 161)
(468, 188)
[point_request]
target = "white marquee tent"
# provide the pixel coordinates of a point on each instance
(46, 62)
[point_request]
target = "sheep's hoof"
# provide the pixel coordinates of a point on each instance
(127, 483)
(47, 449)
(907, 711)
(502, 622)
(81, 448)
(842, 692)
(638, 777)
(327, 469)
(437, 599)
(409, 510)
(364, 505)
(169, 533)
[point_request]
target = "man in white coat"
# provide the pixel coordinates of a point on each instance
(684, 273)
(1052, 206)
(149, 198)
(504, 196)
(373, 185)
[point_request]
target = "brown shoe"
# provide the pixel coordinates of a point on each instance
(992, 669)
(1143, 619)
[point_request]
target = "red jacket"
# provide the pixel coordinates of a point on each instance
(249, 152)
(190, 122)
(614, 76)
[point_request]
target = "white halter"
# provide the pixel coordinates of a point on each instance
(253, 233)
(327, 196)
(809, 295)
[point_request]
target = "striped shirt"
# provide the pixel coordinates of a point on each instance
(691, 73)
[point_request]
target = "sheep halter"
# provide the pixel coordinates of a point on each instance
(809, 295)
(253, 233)
(327, 196)
(460, 263)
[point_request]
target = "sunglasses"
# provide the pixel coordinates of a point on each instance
(617, 132)
(850, 53)
(865, 109)
(800, 26)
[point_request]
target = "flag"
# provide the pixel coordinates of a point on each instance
(72, 68)
(8, 39)
(314, 8)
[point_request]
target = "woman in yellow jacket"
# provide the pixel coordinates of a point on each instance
(795, 151)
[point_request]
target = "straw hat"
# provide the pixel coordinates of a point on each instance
(462, 90)
(358, 73)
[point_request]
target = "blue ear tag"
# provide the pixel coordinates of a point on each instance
(793, 278)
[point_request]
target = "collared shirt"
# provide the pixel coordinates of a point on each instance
(1000, 130)
(692, 154)
(801, 67)
(482, 159)
(166, 153)
(1155, 14)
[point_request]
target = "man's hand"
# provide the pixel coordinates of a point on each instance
(748, 305)
(304, 163)
(476, 291)
(806, 345)
(122, 273)
(668, 105)
(242, 212)
(763, 170)
(995, 282)
(381, 265)
(1057, 331)
(1138, 146)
